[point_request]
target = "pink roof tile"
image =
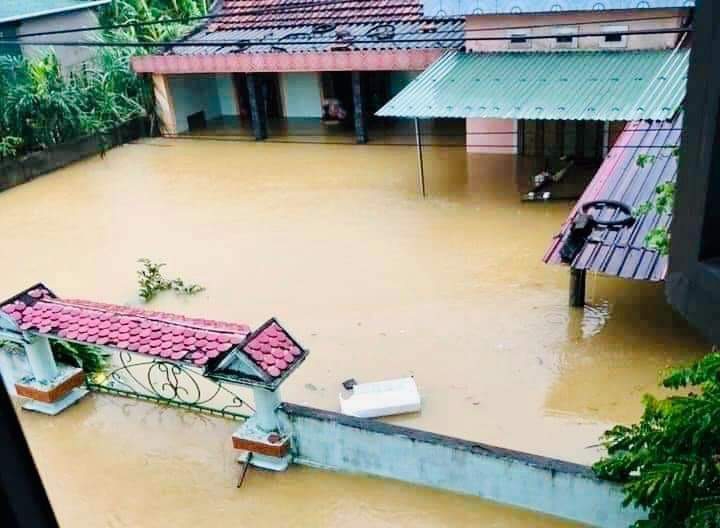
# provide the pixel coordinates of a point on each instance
(175, 337)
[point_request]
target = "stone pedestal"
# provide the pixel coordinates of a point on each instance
(50, 388)
(261, 436)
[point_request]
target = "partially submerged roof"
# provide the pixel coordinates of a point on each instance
(588, 85)
(17, 10)
(518, 7)
(172, 337)
(623, 252)
(320, 35)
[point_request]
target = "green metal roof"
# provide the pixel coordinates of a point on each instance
(588, 85)
(14, 10)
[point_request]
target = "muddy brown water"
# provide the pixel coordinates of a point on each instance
(377, 283)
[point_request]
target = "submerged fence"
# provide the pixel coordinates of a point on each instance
(17, 171)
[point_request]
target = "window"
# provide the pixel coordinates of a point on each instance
(519, 39)
(615, 37)
(566, 38)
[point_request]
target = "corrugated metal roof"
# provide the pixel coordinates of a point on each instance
(588, 85)
(492, 7)
(623, 253)
(418, 34)
(275, 13)
(13, 10)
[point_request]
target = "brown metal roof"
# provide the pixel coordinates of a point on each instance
(622, 252)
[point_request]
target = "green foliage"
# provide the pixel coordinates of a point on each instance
(121, 12)
(92, 360)
(44, 106)
(670, 461)
(151, 281)
(662, 203)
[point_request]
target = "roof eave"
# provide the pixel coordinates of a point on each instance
(58, 11)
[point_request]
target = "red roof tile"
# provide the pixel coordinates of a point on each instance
(243, 14)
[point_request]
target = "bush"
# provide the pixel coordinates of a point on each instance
(669, 462)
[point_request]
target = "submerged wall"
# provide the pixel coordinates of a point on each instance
(333, 441)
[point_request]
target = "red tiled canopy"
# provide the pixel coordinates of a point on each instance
(170, 336)
(245, 14)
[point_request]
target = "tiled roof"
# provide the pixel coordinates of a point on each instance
(13, 10)
(623, 252)
(588, 85)
(270, 347)
(305, 38)
(175, 337)
(245, 14)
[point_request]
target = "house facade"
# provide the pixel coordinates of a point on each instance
(19, 18)
(260, 62)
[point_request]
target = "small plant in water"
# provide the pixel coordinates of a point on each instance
(92, 360)
(151, 281)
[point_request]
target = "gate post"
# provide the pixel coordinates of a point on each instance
(261, 434)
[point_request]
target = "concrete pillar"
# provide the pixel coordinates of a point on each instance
(257, 107)
(266, 401)
(361, 132)
(164, 107)
(577, 287)
(40, 357)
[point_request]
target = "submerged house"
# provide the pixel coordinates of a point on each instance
(262, 62)
(21, 18)
(554, 82)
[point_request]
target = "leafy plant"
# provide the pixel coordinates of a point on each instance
(670, 461)
(662, 203)
(92, 360)
(151, 281)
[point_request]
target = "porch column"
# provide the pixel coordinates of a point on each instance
(359, 106)
(577, 287)
(40, 357)
(257, 107)
(164, 107)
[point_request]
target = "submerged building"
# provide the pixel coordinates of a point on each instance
(259, 61)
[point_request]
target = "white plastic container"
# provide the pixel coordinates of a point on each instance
(381, 398)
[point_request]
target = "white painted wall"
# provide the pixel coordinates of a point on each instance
(70, 57)
(301, 94)
(227, 97)
(191, 94)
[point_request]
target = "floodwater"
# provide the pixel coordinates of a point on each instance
(115, 463)
(377, 283)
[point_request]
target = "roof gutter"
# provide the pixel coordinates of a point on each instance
(49, 12)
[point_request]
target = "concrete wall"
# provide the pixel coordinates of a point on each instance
(332, 441)
(227, 98)
(593, 22)
(70, 57)
(492, 136)
(301, 94)
(191, 94)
